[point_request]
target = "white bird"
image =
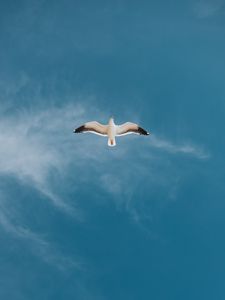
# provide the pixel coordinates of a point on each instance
(111, 130)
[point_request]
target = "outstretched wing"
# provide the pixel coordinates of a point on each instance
(128, 128)
(93, 127)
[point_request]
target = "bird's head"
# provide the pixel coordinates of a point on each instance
(111, 119)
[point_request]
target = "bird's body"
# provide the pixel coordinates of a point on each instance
(111, 130)
(111, 133)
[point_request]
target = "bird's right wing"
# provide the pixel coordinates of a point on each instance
(128, 128)
(93, 127)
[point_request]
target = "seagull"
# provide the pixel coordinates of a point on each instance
(111, 130)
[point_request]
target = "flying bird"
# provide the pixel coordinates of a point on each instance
(111, 130)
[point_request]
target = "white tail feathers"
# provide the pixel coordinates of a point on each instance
(111, 142)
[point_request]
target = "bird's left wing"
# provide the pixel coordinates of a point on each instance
(128, 128)
(93, 127)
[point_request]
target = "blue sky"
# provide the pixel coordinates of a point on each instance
(144, 220)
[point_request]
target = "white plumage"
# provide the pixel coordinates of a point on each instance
(111, 130)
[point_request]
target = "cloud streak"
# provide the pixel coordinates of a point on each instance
(38, 148)
(205, 9)
(38, 245)
(37, 144)
(185, 148)
(33, 144)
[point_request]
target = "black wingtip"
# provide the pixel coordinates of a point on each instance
(142, 131)
(79, 129)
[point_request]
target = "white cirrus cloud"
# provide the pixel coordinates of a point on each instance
(185, 147)
(39, 143)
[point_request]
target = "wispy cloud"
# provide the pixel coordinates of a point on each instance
(185, 148)
(33, 144)
(38, 245)
(37, 144)
(208, 8)
(145, 167)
